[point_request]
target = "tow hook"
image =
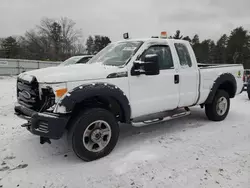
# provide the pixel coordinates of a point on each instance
(26, 125)
(44, 140)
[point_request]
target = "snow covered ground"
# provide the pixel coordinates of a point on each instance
(183, 153)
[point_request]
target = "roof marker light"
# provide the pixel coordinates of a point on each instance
(164, 34)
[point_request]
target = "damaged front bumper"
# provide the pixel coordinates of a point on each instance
(45, 124)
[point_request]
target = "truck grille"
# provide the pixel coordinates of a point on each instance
(28, 94)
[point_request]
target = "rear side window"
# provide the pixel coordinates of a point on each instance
(183, 54)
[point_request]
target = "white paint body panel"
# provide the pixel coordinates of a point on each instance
(152, 94)
(71, 73)
(209, 75)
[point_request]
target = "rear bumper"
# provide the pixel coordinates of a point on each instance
(44, 124)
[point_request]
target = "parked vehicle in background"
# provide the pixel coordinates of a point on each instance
(76, 60)
(246, 78)
(248, 89)
(134, 81)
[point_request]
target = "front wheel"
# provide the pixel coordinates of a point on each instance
(219, 108)
(93, 134)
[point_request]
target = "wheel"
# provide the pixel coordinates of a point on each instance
(219, 108)
(248, 95)
(93, 134)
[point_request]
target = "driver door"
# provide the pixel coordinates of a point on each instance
(155, 93)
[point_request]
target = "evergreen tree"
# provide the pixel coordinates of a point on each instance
(178, 35)
(204, 51)
(238, 47)
(221, 53)
(100, 42)
(187, 38)
(212, 57)
(90, 45)
(10, 48)
(56, 36)
(195, 40)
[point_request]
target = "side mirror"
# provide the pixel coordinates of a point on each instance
(150, 66)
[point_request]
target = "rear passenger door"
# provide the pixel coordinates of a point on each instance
(188, 75)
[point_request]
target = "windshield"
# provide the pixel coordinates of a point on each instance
(70, 61)
(117, 54)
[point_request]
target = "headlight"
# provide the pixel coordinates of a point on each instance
(59, 89)
(60, 92)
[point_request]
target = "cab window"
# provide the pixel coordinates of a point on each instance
(164, 56)
(183, 55)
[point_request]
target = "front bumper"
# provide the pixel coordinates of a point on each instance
(48, 125)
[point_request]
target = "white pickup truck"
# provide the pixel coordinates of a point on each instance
(134, 81)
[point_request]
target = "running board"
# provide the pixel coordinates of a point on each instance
(163, 119)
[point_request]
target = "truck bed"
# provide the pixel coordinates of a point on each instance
(210, 72)
(204, 66)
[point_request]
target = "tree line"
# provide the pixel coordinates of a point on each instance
(52, 39)
(228, 49)
(57, 40)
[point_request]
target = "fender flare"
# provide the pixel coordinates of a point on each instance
(90, 90)
(223, 78)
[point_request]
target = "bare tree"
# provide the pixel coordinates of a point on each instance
(62, 35)
(79, 49)
(70, 35)
(52, 30)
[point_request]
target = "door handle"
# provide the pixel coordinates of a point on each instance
(176, 79)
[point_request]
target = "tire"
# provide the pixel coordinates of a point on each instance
(84, 128)
(213, 112)
(248, 95)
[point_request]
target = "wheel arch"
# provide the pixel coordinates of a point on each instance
(224, 82)
(104, 95)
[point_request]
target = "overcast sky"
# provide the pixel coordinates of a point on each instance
(141, 18)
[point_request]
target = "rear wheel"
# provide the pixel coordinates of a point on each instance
(219, 108)
(93, 134)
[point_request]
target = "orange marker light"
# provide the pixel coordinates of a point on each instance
(163, 34)
(61, 92)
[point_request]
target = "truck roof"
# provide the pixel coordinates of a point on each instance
(154, 40)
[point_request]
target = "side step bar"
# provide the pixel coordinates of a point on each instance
(170, 115)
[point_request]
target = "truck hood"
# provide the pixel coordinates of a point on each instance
(69, 73)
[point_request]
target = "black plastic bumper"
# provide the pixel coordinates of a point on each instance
(45, 124)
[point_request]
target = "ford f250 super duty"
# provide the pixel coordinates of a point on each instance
(134, 81)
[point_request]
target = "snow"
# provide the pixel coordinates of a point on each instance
(26, 77)
(60, 74)
(189, 152)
